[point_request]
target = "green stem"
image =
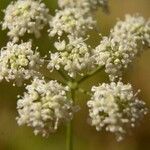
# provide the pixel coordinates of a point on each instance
(90, 74)
(65, 77)
(69, 136)
(69, 130)
(49, 78)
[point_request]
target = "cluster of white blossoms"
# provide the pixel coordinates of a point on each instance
(87, 4)
(70, 20)
(114, 107)
(74, 17)
(99, 3)
(73, 3)
(19, 62)
(73, 55)
(25, 16)
(44, 105)
(126, 40)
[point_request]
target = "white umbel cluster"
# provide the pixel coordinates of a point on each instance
(114, 107)
(43, 106)
(70, 20)
(73, 3)
(73, 55)
(99, 3)
(126, 40)
(87, 4)
(19, 62)
(25, 16)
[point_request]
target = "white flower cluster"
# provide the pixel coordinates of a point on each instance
(114, 107)
(102, 3)
(44, 106)
(87, 4)
(25, 16)
(73, 55)
(126, 40)
(70, 20)
(73, 3)
(19, 62)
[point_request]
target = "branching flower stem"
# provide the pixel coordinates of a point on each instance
(75, 87)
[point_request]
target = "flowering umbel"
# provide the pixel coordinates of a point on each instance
(44, 106)
(115, 107)
(70, 20)
(127, 39)
(25, 16)
(19, 62)
(86, 4)
(73, 55)
(49, 98)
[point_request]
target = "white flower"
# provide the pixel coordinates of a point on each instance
(43, 106)
(86, 4)
(25, 16)
(73, 55)
(102, 52)
(70, 20)
(114, 107)
(127, 39)
(18, 62)
(60, 46)
(55, 61)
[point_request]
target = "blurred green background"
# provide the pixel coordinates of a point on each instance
(13, 137)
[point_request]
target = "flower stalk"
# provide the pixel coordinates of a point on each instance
(69, 136)
(90, 74)
(69, 129)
